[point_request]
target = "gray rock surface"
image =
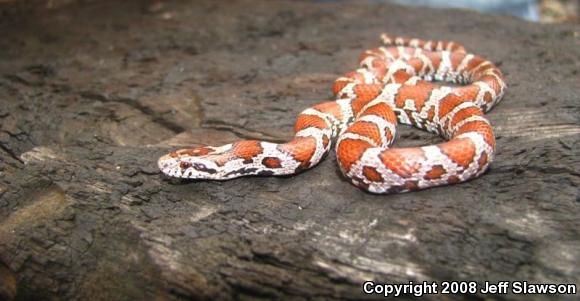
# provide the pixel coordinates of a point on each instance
(91, 95)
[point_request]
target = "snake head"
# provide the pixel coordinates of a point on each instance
(188, 164)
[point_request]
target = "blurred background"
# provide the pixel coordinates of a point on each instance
(544, 11)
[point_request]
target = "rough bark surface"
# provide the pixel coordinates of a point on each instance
(91, 95)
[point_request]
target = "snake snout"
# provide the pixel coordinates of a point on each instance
(169, 165)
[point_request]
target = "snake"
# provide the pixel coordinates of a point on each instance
(436, 86)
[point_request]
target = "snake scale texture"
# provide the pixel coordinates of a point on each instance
(399, 83)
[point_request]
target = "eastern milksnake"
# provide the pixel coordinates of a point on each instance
(394, 84)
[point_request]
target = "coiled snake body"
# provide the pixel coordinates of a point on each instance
(394, 84)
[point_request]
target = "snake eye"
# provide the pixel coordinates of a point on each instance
(184, 165)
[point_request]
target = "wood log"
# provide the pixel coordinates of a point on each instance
(92, 94)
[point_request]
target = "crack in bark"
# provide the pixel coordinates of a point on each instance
(176, 128)
(10, 152)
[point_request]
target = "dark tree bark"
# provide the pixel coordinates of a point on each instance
(91, 95)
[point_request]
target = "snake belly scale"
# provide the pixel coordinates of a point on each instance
(399, 83)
